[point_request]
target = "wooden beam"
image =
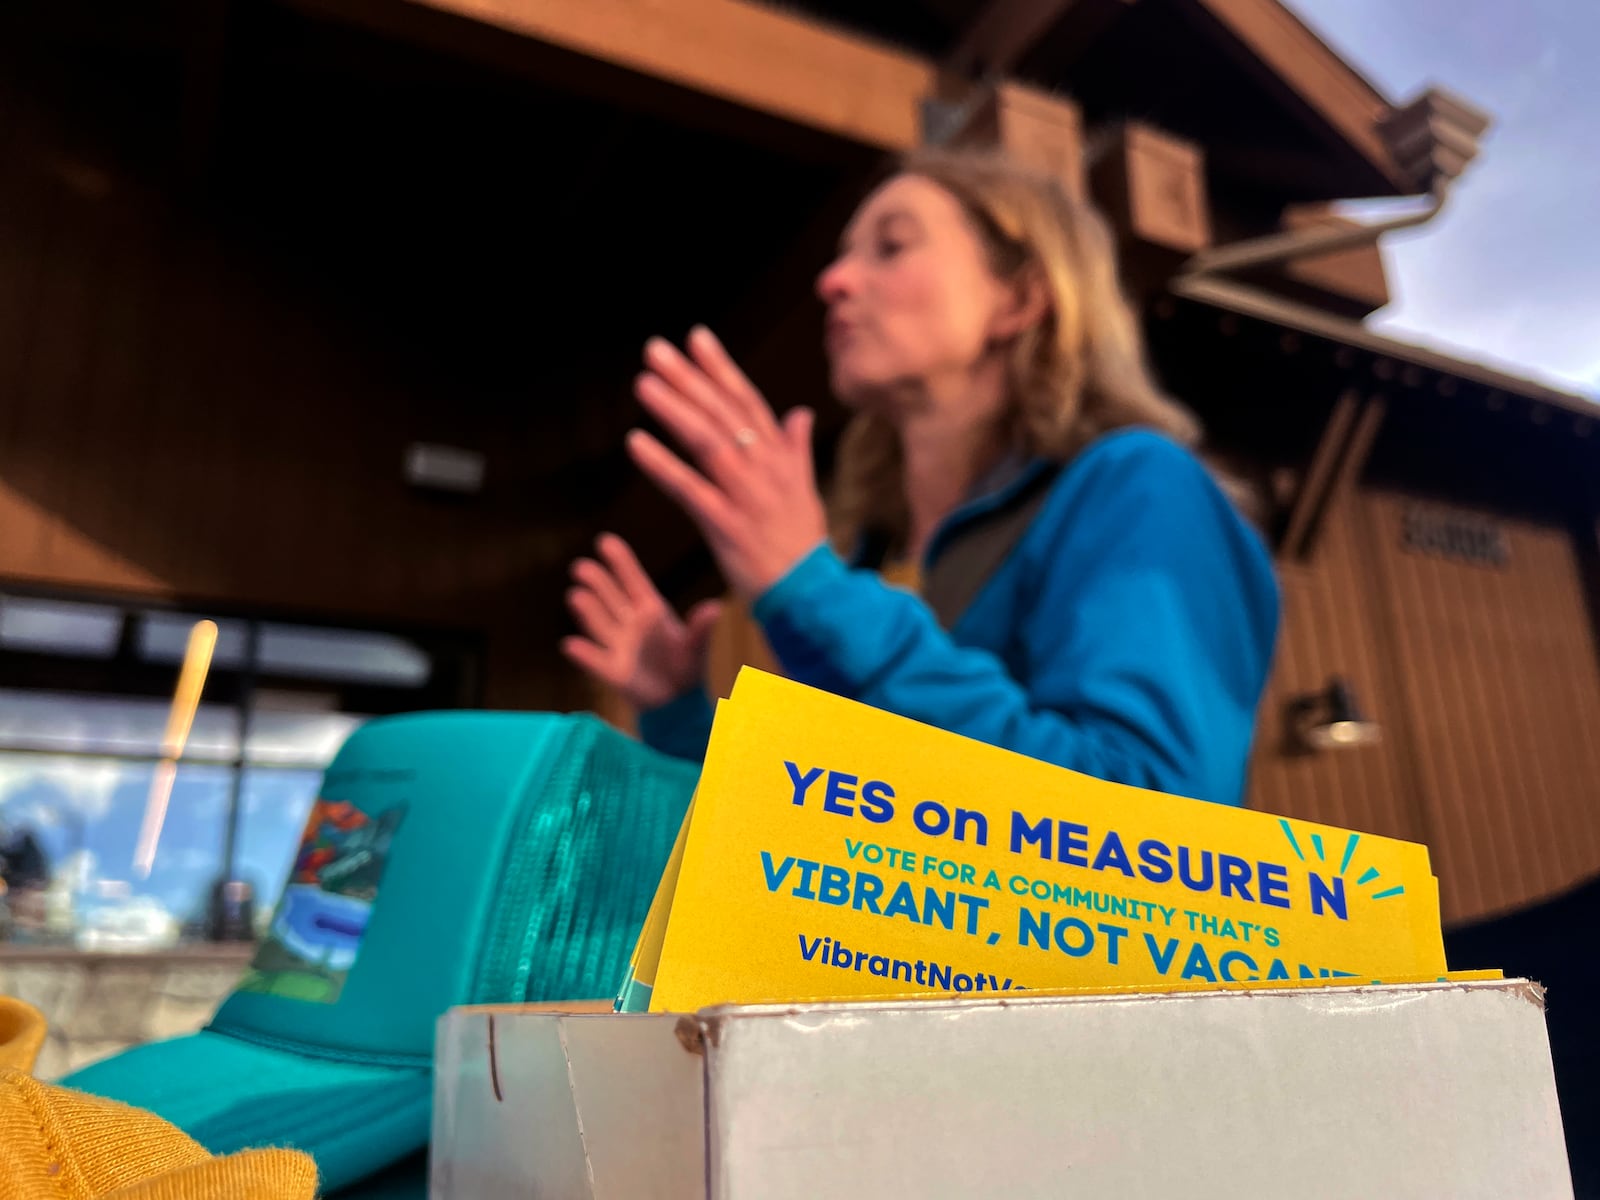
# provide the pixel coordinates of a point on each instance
(1034, 128)
(1152, 187)
(1352, 282)
(1247, 301)
(1319, 475)
(1355, 458)
(749, 55)
(1304, 66)
(1006, 30)
(1340, 457)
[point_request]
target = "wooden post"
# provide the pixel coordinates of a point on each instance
(1341, 453)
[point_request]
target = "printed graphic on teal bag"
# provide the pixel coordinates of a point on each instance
(317, 930)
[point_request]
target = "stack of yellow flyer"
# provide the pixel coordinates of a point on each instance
(834, 851)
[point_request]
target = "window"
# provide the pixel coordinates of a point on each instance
(109, 839)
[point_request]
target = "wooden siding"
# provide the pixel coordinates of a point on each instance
(184, 423)
(1486, 681)
(1502, 684)
(1327, 631)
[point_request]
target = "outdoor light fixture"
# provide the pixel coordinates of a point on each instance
(1331, 720)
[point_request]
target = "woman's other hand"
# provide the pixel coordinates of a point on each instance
(631, 638)
(753, 487)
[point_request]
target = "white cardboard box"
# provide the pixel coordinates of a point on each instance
(1436, 1090)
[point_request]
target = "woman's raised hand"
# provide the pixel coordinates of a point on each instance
(752, 488)
(630, 637)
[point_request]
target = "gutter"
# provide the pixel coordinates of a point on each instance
(1433, 138)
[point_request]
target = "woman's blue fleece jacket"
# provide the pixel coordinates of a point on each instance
(1127, 635)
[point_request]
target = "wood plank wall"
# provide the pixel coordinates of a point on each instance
(1502, 679)
(1486, 681)
(1327, 631)
(177, 421)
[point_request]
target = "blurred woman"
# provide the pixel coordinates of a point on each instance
(1083, 592)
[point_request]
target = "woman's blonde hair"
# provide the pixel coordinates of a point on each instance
(1078, 373)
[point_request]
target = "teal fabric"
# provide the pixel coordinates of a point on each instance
(521, 868)
(229, 1095)
(1128, 635)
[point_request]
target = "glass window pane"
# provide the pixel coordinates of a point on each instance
(304, 738)
(59, 627)
(163, 637)
(348, 655)
(273, 806)
(73, 721)
(82, 819)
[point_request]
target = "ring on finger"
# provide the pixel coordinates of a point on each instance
(746, 437)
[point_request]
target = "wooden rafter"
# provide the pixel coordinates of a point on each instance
(839, 83)
(1247, 301)
(1351, 464)
(1304, 65)
(1300, 66)
(1004, 31)
(1319, 476)
(760, 58)
(1341, 455)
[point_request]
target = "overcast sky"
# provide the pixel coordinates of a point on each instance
(1509, 274)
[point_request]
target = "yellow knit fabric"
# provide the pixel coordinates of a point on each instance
(58, 1144)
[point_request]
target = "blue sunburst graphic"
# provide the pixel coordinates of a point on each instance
(1370, 876)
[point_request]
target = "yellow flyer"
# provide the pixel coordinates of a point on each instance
(838, 851)
(636, 989)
